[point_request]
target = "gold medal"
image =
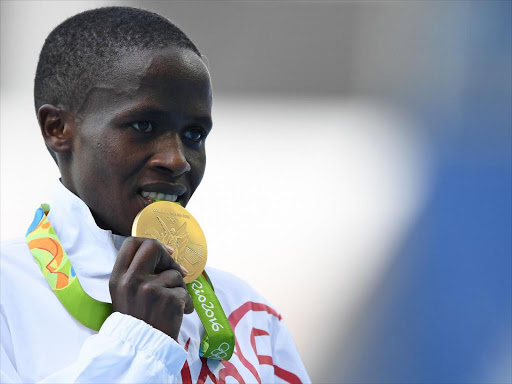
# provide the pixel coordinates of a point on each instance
(173, 225)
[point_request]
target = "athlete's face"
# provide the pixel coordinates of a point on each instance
(142, 133)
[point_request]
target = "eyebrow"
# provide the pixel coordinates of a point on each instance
(204, 120)
(135, 111)
(158, 113)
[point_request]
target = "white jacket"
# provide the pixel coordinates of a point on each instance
(42, 342)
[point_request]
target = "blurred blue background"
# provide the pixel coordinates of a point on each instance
(442, 311)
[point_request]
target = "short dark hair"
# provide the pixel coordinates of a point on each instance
(79, 51)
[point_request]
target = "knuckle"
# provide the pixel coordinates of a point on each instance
(129, 283)
(173, 278)
(176, 297)
(153, 243)
(132, 240)
(177, 275)
(148, 289)
(183, 295)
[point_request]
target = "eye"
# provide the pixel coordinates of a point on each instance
(195, 134)
(143, 126)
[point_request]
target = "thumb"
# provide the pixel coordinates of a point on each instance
(168, 262)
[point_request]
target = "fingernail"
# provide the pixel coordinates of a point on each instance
(169, 248)
(184, 270)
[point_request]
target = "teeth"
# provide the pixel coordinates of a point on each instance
(159, 196)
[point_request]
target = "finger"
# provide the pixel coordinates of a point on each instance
(170, 278)
(189, 305)
(125, 255)
(149, 255)
(152, 256)
(184, 297)
(184, 271)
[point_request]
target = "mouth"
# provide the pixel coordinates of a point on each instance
(166, 192)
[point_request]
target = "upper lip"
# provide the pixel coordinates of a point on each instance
(165, 188)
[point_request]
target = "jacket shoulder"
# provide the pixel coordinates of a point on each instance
(17, 263)
(236, 293)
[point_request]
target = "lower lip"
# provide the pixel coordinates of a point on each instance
(146, 200)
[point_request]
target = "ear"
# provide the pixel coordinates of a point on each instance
(56, 126)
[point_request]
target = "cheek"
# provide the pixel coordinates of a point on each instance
(198, 165)
(107, 161)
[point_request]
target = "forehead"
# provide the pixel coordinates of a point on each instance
(173, 79)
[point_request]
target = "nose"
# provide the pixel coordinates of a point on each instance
(170, 156)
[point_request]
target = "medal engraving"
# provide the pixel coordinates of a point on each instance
(174, 226)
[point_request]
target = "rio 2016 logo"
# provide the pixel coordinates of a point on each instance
(208, 308)
(220, 353)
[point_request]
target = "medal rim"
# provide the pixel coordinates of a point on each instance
(179, 209)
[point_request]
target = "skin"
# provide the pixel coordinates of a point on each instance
(144, 129)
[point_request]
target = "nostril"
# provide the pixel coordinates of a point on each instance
(174, 164)
(170, 155)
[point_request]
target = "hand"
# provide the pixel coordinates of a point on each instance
(147, 283)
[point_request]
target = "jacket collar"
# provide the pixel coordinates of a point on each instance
(90, 249)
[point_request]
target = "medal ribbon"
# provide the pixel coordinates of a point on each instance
(218, 342)
(58, 271)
